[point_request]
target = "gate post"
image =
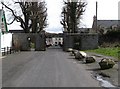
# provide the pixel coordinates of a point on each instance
(40, 43)
(68, 41)
(64, 40)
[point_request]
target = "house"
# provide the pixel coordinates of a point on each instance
(105, 25)
(5, 37)
(57, 40)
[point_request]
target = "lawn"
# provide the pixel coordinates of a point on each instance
(114, 52)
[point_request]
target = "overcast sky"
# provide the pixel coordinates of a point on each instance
(107, 10)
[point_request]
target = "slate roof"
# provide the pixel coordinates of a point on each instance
(108, 23)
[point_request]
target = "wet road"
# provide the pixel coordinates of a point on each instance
(52, 68)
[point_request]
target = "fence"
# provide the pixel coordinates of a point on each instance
(7, 50)
(6, 43)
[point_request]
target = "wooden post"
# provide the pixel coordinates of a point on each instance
(3, 49)
(7, 50)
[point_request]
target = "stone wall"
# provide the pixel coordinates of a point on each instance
(85, 41)
(21, 41)
(89, 41)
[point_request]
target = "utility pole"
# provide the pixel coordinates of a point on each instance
(96, 15)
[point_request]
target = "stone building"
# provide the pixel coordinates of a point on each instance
(54, 41)
(57, 40)
(105, 25)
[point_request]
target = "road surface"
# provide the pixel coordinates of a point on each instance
(51, 68)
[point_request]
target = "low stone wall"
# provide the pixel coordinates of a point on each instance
(84, 40)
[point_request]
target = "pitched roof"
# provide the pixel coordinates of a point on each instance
(108, 23)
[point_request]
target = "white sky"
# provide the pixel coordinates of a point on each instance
(107, 10)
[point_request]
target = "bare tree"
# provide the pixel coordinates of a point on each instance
(38, 16)
(71, 15)
(31, 11)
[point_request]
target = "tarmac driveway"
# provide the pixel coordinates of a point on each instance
(51, 68)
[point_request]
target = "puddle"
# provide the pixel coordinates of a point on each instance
(104, 83)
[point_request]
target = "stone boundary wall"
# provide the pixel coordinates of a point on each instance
(87, 41)
(21, 41)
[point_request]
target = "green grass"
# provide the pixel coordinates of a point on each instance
(113, 52)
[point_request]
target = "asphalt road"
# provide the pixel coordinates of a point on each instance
(52, 68)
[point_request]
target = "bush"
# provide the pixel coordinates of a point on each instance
(111, 37)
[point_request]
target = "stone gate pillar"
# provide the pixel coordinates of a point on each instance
(68, 41)
(40, 43)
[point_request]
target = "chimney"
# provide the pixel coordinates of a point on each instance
(96, 14)
(94, 22)
(94, 18)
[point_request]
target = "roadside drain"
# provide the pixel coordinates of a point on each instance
(104, 83)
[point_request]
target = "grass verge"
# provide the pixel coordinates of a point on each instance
(113, 52)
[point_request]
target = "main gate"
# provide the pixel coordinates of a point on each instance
(22, 41)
